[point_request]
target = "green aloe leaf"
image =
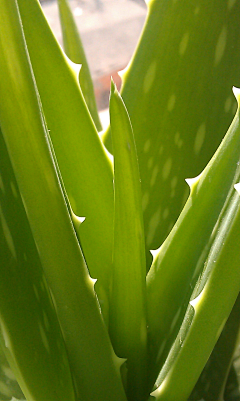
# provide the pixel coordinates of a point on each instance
(30, 333)
(127, 324)
(179, 255)
(207, 313)
(177, 89)
(84, 165)
(75, 51)
(93, 367)
(212, 382)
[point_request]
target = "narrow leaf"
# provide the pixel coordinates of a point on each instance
(210, 311)
(84, 165)
(179, 255)
(127, 323)
(94, 372)
(177, 89)
(74, 50)
(29, 330)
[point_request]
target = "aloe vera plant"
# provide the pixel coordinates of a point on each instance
(117, 281)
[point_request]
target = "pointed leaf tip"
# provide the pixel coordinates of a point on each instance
(236, 92)
(113, 86)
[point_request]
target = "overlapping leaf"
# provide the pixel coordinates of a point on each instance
(177, 89)
(84, 165)
(94, 370)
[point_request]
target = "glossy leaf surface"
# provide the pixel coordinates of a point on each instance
(179, 255)
(208, 312)
(177, 89)
(127, 325)
(84, 165)
(27, 142)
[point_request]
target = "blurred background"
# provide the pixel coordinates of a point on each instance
(109, 30)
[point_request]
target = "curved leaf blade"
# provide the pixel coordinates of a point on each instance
(94, 369)
(85, 168)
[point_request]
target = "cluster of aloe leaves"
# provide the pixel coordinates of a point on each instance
(140, 300)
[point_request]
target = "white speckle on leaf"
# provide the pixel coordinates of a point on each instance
(221, 45)
(149, 77)
(228, 104)
(183, 44)
(177, 140)
(196, 11)
(171, 102)
(153, 224)
(146, 146)
(167, 168)
(36, 292)
(165, 213)
(150, 163)
(145, 200)
(44, 337)
(174, 181)
(199, 139)
(231, 3)
(154, 175)
(13, 188)
(7, 235)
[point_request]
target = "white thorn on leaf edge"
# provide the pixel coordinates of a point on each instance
(74, 66)
(196, 300)
(122, 72)
(155, 252)
(93, 280)
(237, 187)
(236, 92)
(77, 220)
(192, 181)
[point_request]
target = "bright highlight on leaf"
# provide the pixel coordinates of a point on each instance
(84, 314)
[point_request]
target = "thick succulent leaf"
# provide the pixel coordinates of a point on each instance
(177, 89)
(212, 382)
(179, 255)
(93, 367)
(74, 50)
(85, 168)
(127, 318)
(207, 313)
(30, 333)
